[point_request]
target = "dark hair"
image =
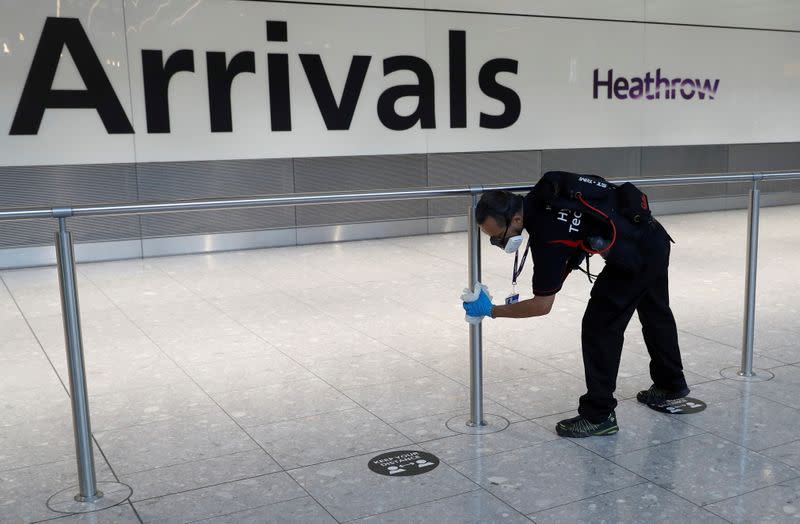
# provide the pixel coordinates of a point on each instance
(500, 205)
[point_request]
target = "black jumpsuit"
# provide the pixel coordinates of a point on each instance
(616, 294)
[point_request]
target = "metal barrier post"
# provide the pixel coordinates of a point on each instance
(475, 330)
(748, 332)
(87, 483)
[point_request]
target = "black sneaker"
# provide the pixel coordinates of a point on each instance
(656, 395)
(579, 427)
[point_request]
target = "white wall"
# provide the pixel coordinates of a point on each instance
(756, 101)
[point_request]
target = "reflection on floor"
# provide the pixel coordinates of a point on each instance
(255, 386)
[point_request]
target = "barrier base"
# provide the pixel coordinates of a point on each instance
(494, 424)
(759, 375)
(111, 494)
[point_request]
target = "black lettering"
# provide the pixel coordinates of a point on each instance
(425, 113)
(220, 79)
(280, 108)
(458, 79)
(280, 102)
(157, 77)
(490, 87)
(38, 94)
(337, 116)
(598, 82)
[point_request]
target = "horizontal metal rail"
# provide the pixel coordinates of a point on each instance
(301, 199)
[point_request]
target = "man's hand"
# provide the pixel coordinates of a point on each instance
(481, 307)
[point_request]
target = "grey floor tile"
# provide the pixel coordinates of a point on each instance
(538, 396)
(280, 402)
(188, 476)
(546, 475)
(37, 442)
(784, 388)
(639, 427)
(460, 448)
(325, 437)
(413, 398)
(536, 339)
(369, 369)
(122, 514)
(424, 346)
(15, 329)
(220, 500)
(349, 490)
(750, 421)
(46, 301)
(120, 409)
(338, 342)
(27, 406)
(766, 337)
(172, 442)
(778, 503)
(787, 354)
(19, 375)
(152, 370)
(154, 288)
(708, 358)
(475, 507)
(705, 468)
(303, 510)
(25, 491)
(787, 453)
(268, 368)
(642, 504)
(499, 364)
(632, 363)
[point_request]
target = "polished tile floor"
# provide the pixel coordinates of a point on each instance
(254, 386)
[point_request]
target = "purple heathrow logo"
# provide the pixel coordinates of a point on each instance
(652, 87)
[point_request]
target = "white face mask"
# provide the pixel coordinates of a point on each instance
(513, 244)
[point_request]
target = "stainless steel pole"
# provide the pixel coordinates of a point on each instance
(87, 487)
(475, 330)
(748, 331)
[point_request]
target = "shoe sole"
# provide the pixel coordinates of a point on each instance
(603, 433)
(674, 396)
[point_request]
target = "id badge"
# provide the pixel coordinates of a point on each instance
(512, 298)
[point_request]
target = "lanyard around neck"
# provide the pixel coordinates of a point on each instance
(518, 270)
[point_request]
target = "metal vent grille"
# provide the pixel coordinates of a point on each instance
(226, 178)
(451, 169)
(360, 173)
(31, 186)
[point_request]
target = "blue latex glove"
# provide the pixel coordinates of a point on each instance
(482, 307)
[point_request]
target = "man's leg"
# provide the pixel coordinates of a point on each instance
(611, 306)
(661, 337)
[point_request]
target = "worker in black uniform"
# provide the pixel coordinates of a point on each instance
(563, 229)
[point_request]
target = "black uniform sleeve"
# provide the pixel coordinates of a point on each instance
(551, 265)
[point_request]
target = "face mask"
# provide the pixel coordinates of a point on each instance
(510, 245)
(513, 244)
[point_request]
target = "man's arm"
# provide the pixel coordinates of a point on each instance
(533, 307)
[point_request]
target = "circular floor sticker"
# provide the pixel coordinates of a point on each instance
(403, 463)
(681, 406)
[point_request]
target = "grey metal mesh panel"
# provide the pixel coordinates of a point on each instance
(450, 169)
(682, 160)
(223, 178)
(357, 174)
(765, 157)
(32, 186)
(607, 162)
